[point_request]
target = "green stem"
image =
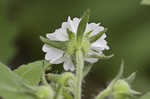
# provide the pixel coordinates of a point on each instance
(103, 94)
(62, 81)
(79, 71)
(58, 91)
(44, 81)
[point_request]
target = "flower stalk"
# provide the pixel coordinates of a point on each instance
(103, 94)
(79, 72)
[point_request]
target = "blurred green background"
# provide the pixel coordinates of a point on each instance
(22, 21)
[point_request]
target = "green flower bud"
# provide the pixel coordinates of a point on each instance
(121, 90)
(85, 46)
(121, 86)
(45, 92)
(71, 47)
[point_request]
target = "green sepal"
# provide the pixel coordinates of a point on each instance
(65, 77)
(121, 71)
(71, 35)
(71, 47)
(56, 44)
(119, 75)
(87, 68)
(131, 78)
(88, 33)
(53, 77)
(85, 46)
(122, 95)
(45, 92)
(82, 26)
(133, 92)
(97, 36)
(102, 57)
(62, 81)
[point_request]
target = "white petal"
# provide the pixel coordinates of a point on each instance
(91, 60)
(52, 54)
(91, 26)
(68, 65)
(61, 33)
(45, 48)
(95, 28)
(65, 26)
(74, 24)
(91, 52)
(58, 61)
(58, 35)
(100, 44)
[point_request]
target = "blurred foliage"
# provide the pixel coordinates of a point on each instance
(146, 2)
(7, 33)
(146, 96)
(128, 34)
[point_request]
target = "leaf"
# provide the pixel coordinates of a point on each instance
(13, 86)
(31, 72)
(82, 26)
(146, 2)
(146, 96)
(57, 44)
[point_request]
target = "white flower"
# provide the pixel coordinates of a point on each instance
(57, 56)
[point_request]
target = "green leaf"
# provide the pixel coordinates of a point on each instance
(82, 26)
(13, 86)
(146, 96)
(97, 36)
(57, 44)
(32, 72)
(146, 2)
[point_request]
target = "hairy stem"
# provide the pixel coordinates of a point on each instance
(58, 91)
(103, 94)
(79, 71)
(44, 81)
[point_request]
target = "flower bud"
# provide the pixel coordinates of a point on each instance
(45, 92)
(121, 90)
(121, 86)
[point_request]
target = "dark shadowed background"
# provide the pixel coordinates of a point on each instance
(23, 21)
